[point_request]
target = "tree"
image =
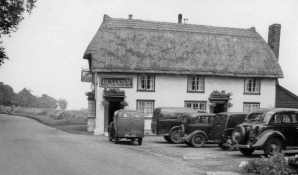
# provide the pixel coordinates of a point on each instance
(62, 104)
(25, 98)
(46, 101)
(11, 13)
(7, 95)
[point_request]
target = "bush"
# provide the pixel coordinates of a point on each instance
(273, 165)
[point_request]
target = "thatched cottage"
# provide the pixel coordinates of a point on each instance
(145, 64)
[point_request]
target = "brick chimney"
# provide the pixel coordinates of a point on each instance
(179, 18)
(274, 38)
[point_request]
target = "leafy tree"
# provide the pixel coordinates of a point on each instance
(7, 95)
(62, 104)
(25, 98)
(46, 101)
(11, 13)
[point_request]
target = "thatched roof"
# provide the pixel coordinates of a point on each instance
(137, 46)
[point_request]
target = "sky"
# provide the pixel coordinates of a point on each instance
(47, 49)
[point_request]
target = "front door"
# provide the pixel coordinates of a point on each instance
(112, 105)
(218, 107)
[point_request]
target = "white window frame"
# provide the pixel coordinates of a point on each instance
(250, 106)
(196, 84)
(143, 106)
(252, 86)
(197, 105)
(146, 83)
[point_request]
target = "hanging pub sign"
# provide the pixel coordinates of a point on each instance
(86, 76)
(116, 82)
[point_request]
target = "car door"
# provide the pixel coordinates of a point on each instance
(288, 128)
(295, 123)
(198, 123)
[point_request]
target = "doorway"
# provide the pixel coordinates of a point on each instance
(113, 106)
(220, 107)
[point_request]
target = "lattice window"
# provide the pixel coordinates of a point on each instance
(250, 106)
(145, 106)
(197, 105)
(252, 86)
(195, 84)
(146, 83)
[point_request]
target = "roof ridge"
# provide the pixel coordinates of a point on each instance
(110, 22)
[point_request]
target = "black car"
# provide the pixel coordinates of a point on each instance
(271, 130)
(196, 128)
(166, 122)
(211, 128)
(223, 126)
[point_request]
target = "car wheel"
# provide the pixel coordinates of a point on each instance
(273, 145)
(198, 140)
(167, 138)
(140, 141)
(246, 151)
(176, 136)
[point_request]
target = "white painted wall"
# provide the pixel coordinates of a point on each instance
(171, 90)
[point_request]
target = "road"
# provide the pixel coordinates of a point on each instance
(30, 148)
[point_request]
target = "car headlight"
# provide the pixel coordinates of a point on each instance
(236, 136)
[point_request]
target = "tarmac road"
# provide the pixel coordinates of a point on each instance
(30, 148)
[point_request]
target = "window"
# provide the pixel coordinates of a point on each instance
(201, 105)
(250, 106)
(146, 83)
(145, 106)
(195, 84)
(276, 119)
(295, 117)
(252, 86)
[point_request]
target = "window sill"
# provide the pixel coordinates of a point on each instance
(252, 93)
(145, 90)
(196, 92)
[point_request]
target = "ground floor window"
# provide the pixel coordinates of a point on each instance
(145, 106)
(250, 106)
(201, 105)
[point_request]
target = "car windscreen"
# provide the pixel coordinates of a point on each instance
(235, 120)
(131, 115)
(255, 117)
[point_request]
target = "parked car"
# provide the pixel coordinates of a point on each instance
(211, 128)
(166, 122)
(127, 124)
(223, 126)
(270, 130)
(195, 129)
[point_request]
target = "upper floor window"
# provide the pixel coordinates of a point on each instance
(252, 86)
(146, 83)
(250, 106)
(200, 105)
(195, 84)
(145, 106)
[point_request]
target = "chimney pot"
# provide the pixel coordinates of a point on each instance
(274, 38)
(130, 16)
(179, 18)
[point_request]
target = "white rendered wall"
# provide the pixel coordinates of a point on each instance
(171, 90)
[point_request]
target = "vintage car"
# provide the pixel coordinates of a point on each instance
(211, 128)
(127, 124)
(196, 127)
(223, 126)
(270, 130)
(166, 122)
